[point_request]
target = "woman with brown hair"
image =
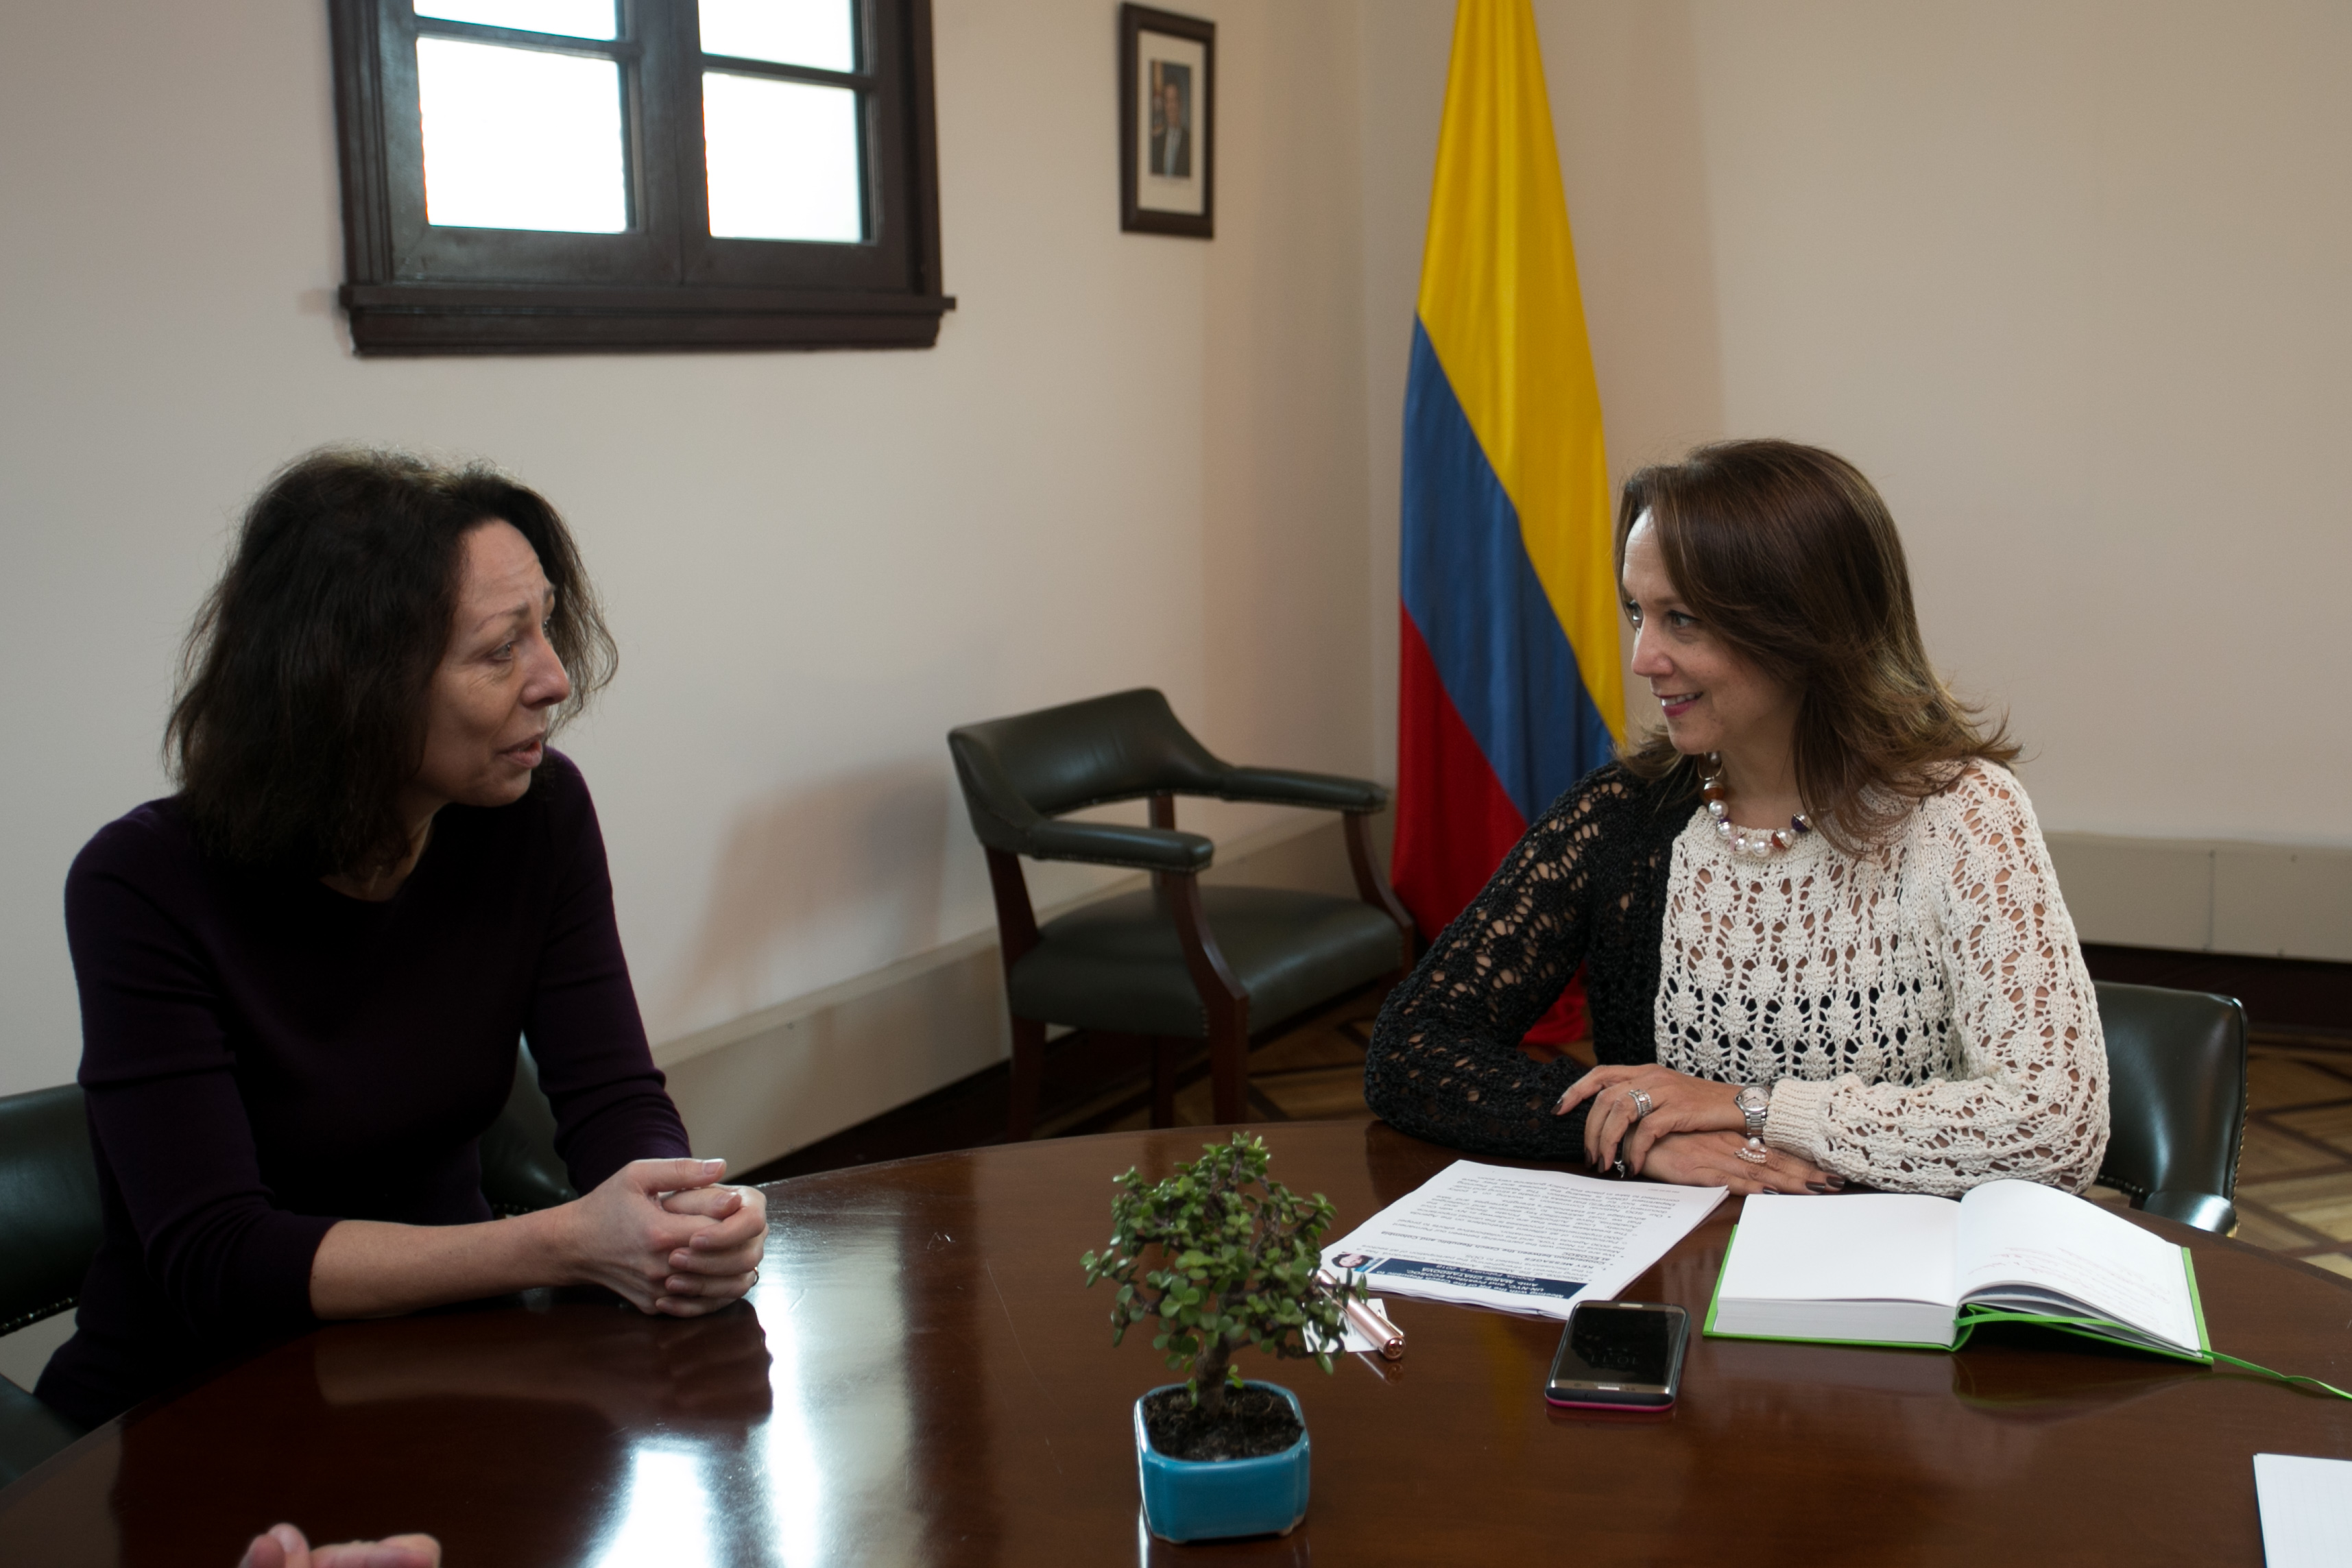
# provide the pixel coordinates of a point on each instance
(1821, 937)
(303, 976)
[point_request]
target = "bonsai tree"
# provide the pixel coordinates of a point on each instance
(1238, 1256)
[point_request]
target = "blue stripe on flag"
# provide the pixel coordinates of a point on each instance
(1469, 586)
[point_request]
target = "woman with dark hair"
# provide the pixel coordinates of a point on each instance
(304, 975)
(1821, 937)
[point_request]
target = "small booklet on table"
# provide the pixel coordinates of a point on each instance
(1886, 1269)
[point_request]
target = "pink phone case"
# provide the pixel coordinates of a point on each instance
(1615, 1404)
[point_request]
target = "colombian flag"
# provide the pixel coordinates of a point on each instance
(1510, 687)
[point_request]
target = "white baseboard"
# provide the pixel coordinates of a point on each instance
(2270, 901)
(761, 1086)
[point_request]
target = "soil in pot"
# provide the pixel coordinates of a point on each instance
(1255, 1422)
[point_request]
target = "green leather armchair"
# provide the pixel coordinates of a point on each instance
(2175, 1100)
(51, 1222)
(1181, 962)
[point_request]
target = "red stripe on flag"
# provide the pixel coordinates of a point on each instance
(1455, 820)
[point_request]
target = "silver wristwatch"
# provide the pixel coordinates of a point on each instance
(1755, 1101)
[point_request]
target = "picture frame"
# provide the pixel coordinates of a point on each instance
(1167, 123)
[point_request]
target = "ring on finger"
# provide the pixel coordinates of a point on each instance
(1640, 1098)
(1754, 1151)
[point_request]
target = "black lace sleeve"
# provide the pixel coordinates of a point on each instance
(1444, 1063)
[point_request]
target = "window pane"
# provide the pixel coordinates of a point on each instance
(517, 139)
(573, 18)
(783, 158)
(790, 32)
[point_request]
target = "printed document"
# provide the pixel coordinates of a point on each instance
(1522, 1241)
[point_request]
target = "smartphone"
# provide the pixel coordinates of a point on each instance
(1620, 1355)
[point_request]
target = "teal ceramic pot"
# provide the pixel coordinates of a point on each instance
(1206, 1499)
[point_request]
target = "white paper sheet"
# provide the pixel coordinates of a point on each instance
(1865, 1246)
(1520, 1241)
(2307, 1510)
(2015, 1233)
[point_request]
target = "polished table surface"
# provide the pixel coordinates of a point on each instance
(922, 1377)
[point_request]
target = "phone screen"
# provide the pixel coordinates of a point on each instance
(1618, 1353)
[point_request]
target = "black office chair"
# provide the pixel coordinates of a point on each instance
(51, 1222)
(48, 1233)
(1181, 962)
(2175, 1100)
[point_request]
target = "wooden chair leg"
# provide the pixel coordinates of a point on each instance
(1222, 997)
(1167, 1052)
(1028, 1079)
(1229, 1062)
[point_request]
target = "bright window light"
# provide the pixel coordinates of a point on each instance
(790, 32)
(782, 159)
(517, 139)
(573, 18)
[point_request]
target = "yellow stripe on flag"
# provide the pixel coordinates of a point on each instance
(1499, 300)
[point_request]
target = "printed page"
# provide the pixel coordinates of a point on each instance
(1525, 1241)
(2307, 1509)
(1860, 1247)
(2016, 1233)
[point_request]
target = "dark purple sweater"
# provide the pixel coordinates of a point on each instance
(264, 1056)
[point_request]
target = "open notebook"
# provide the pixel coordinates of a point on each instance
(1883, 1268)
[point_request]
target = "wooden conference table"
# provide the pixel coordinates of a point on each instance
(922, 1378)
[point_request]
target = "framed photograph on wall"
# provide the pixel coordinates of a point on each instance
(1167, 122)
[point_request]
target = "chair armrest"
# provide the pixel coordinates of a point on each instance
(1282, 787)
(29, 1432)
(2205, 1210)
(521, 1172)
(1117, 843)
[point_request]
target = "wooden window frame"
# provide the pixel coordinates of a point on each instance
(665, 284)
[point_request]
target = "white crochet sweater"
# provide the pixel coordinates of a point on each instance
(1922, 1014)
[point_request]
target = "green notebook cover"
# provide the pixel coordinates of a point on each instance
(1971, 1318)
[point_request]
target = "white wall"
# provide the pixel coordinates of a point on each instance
(2064, 276)
(1132, 459)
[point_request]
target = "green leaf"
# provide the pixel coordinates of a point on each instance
(1225, 1259)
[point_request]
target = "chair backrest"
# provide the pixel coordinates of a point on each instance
(49, 1217)
(1058, 759)
(2176, 1094)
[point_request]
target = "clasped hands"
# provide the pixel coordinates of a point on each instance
(666, 1237)
(283, 1546)
(1691, 1138)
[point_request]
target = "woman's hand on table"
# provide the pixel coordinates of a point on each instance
(665, 1238)
(722, 1261)
(283, 1546)
(1712, 1159)
(1678, 1103)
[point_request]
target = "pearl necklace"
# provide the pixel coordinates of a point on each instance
(1755, 842)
